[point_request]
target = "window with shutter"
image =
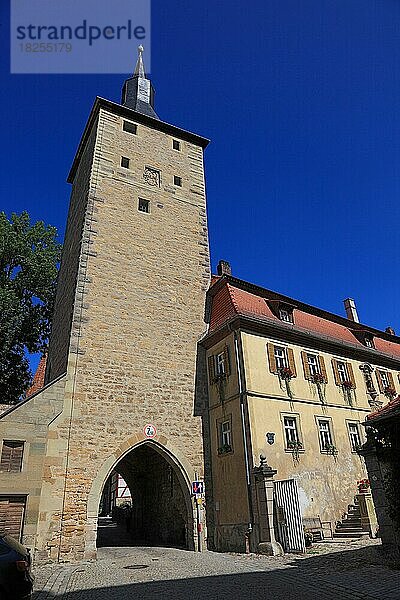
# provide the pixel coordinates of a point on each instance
(292, 363)
(351, 375)
(271, 358)
(391, 381)
(211, 369)
(379, 380)
(322, 368)
(335, 370)
(306, 368)
(11, 456)
(227, 361)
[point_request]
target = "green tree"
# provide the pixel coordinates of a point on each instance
(29, 257)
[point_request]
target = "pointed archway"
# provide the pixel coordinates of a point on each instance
(161, 513)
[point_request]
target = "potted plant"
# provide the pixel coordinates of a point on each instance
(295, 446)
(331, 449)
(348, 387)
(363, 486)
(319, 381)
(389, 392)
(285, 374)
(225, 449)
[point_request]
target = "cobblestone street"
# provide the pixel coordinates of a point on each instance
(327, 572)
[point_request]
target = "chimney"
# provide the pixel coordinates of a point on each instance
(390, 331)
(351, 311)
(224, 268)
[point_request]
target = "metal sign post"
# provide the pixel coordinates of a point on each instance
(198, 490)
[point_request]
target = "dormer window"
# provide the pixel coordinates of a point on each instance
(280, 309)
(364, 337)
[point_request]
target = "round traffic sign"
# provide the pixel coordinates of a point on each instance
(150, 430)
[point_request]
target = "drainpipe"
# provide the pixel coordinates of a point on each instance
(243, 411)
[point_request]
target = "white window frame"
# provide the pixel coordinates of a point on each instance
(314, 367)
(291, 430)
(384, 378)
(226, 433)
(342, 371)
(285, 315)
(355, 435)
(325, 433)
(281, 357)
(144, 212)
(220, 367)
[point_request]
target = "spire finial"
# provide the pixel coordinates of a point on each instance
(139, 69)
(138, 92)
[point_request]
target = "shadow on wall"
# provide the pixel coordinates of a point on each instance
(342, 575)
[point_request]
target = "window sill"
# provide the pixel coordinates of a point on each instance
(224, 452)
(294, 451)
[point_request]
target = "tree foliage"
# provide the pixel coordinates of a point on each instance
(29, 257)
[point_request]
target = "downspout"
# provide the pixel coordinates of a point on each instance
(243, 411)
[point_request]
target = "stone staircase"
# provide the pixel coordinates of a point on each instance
(350, 525)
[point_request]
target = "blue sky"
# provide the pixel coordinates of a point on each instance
(301, 102)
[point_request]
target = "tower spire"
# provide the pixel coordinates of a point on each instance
(139, 69)
(138, 91)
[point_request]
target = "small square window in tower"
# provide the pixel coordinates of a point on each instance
(177, 181)
(144, 205)
(129, 127)
(11, 456)
(176, 145)
(124, 162)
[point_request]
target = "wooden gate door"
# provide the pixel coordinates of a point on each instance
(12, 509)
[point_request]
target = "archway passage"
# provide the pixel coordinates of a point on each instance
(148, 504)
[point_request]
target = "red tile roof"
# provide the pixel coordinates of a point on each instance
(387, 346)
(38, 379)
(232, 297)
(390, 409)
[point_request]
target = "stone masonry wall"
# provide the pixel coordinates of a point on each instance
(29, 422)
(70, 262)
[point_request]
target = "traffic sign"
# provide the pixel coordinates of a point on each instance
(197, 487)
(150, 430)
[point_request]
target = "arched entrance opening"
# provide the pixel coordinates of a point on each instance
(146, 501)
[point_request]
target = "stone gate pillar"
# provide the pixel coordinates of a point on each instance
(264, 508)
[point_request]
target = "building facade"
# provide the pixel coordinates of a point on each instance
(293, 383)
(129, 310)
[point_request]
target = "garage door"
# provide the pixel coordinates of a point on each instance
(12, 510)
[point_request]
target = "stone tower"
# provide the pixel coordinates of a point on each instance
(128, 315)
